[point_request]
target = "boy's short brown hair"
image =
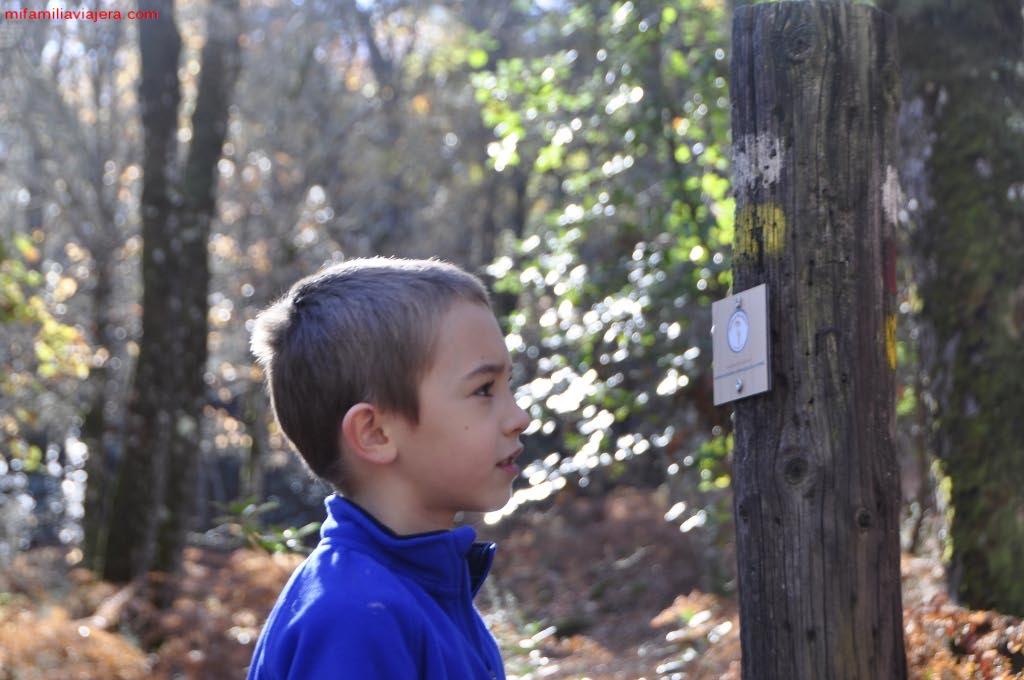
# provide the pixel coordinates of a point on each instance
(362, 330)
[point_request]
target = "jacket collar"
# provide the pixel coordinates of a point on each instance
(443, 562)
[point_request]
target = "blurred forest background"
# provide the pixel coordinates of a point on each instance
(162, 180)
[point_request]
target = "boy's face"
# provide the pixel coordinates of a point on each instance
(460, 455)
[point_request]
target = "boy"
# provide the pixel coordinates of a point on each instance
(391, 379)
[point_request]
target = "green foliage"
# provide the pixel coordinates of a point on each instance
(626, 137)
(245, 519)
(41, 355)
(711, 461)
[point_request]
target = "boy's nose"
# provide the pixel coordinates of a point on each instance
(519, 421)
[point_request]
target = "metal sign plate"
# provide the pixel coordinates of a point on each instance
(740, 345)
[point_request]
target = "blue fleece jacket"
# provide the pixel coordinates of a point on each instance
(370, 605)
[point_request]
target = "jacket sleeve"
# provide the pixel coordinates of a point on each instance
(369, 642)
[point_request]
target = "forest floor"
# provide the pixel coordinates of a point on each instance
(602, 589)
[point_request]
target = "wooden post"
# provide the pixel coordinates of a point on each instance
(814, 103)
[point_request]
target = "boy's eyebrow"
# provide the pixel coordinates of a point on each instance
(487, 368)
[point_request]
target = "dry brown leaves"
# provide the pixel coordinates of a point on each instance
(607, 627)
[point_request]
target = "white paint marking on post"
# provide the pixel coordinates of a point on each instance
(758, 160)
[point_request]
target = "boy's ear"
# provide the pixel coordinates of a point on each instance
(364, 433)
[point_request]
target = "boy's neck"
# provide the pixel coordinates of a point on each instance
(394, 517)
(385, 528)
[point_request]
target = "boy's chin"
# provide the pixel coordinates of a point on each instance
(496, 502)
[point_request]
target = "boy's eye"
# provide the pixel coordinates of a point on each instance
(485, 390)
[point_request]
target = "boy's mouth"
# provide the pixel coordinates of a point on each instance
(509, 463)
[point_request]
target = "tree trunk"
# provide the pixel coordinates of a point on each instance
(816, 488)
(220, 64)
(96, 427)
(157, 422)
(153, 501)
(961, 126)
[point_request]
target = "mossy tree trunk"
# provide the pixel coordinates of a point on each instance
(816, 488)
(963, 131)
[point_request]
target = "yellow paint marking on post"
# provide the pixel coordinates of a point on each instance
(745, 241)
(765, 220)
(774, 221)
(890, 339)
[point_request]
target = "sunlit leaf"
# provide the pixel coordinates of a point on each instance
(478, 59)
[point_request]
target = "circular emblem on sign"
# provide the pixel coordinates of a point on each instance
(738, 330)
